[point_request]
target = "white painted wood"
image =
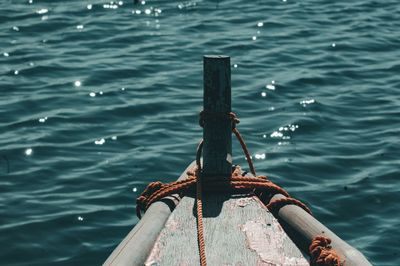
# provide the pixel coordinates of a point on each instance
(238, 231)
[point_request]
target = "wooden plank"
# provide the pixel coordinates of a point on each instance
(302, 228)
(136, 246)
(217, 133)
(243, 232)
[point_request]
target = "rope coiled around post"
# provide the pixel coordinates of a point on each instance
(321, 253)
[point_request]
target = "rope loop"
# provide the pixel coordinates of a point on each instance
(234, 120)
(150, 189)
(276, 205)
(322, 254)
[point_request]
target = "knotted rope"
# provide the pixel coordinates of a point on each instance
(259, 185)
(322, 254)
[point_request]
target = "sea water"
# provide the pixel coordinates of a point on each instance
(98, 98)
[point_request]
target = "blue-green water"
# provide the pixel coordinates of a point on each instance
(99, 98)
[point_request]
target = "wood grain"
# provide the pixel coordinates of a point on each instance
(244, 232)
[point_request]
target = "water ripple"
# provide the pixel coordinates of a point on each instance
(95, 94)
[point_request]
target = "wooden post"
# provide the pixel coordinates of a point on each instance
(217, 133)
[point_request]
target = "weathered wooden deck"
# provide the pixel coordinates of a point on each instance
(238, 231)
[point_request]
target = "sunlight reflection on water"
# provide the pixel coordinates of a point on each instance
(28, 152)
(95, 94)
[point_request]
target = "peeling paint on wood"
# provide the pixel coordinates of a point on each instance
(238, 231)
(242, 202)
(267, 240)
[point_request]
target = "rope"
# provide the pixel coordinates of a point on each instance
(276, 205)
(245, 150)
(321, 253)
(199, 220)
(236, 182)
(234, 121)
(199, 207)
